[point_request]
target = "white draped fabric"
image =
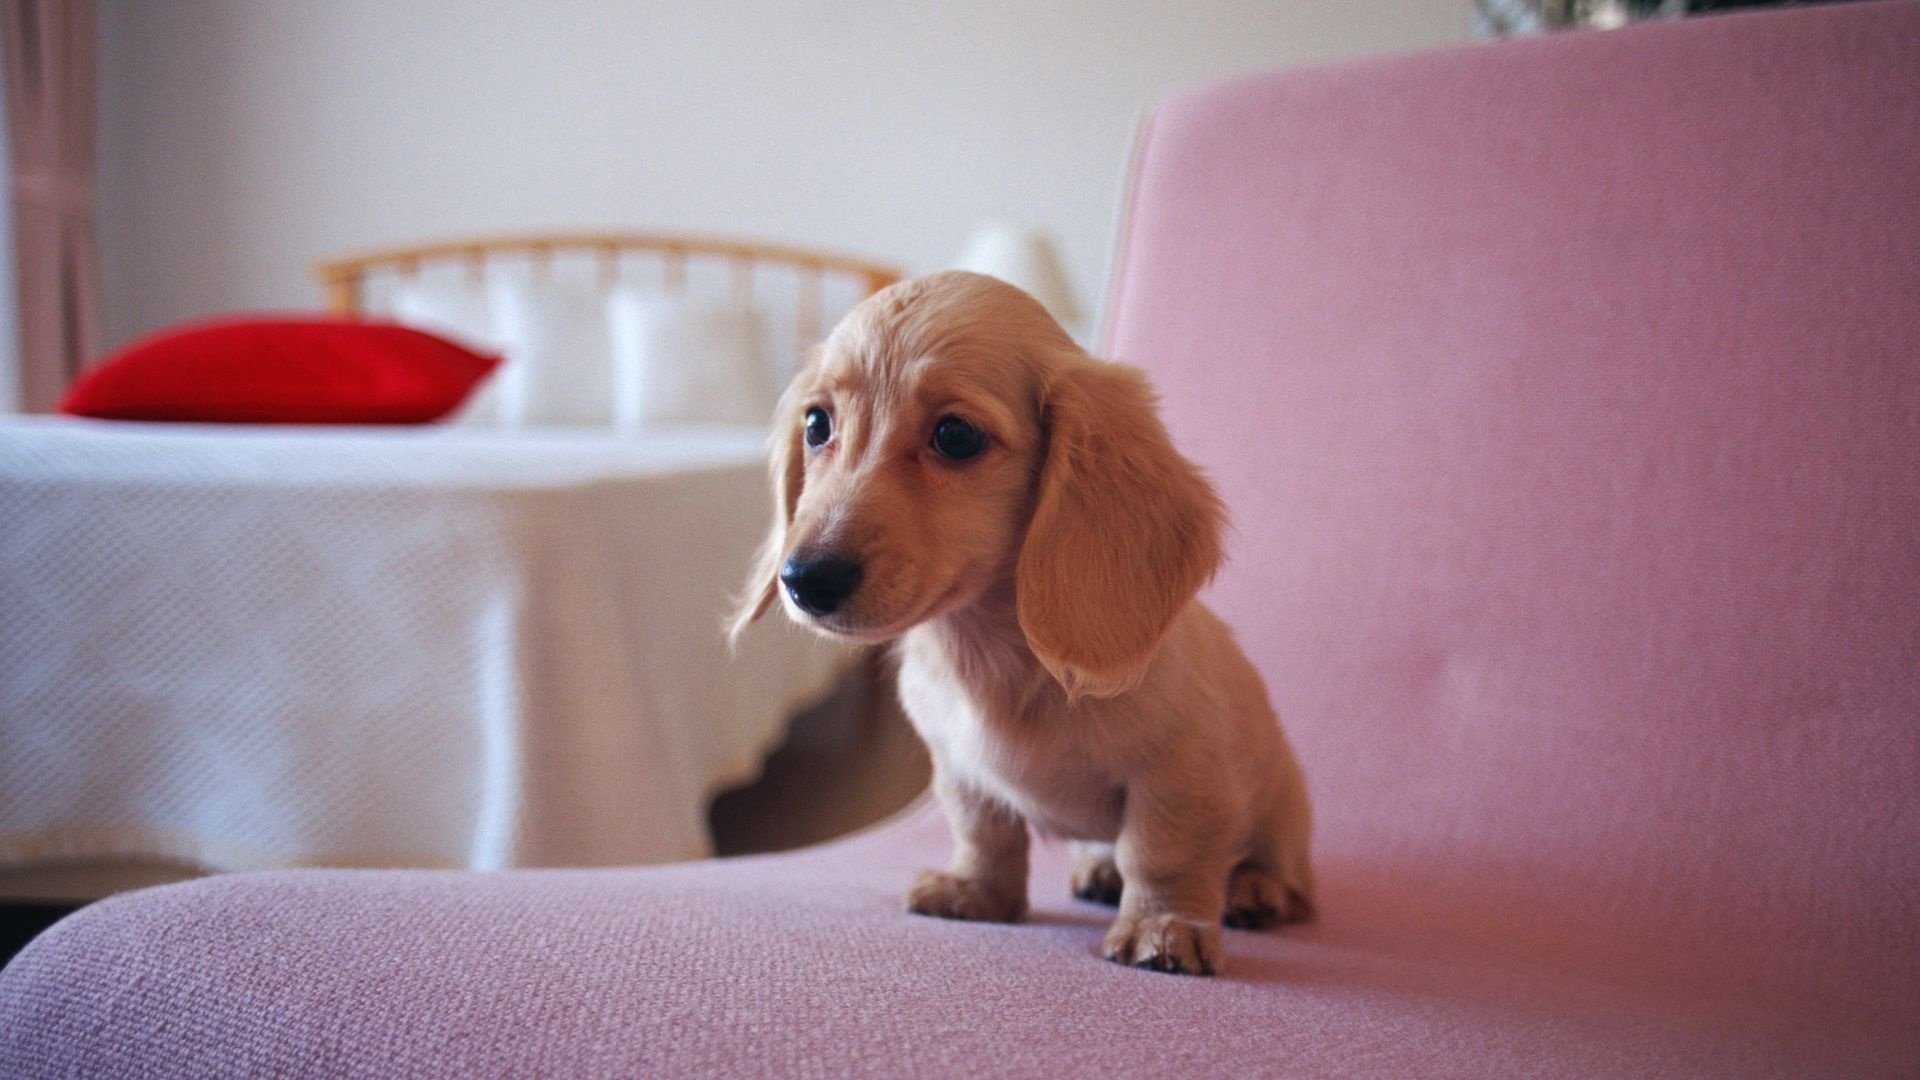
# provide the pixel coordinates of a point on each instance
(249, 647)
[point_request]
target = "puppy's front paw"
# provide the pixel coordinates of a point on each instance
(1165, 943)
(948, 897)
(1096, 878)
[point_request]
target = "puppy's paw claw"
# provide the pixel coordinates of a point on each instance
(1166, 943)
(945, 896)
(1257, 900)
(1254, 918)
(1097, 880)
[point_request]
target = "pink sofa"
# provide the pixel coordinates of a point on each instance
(1567, 397)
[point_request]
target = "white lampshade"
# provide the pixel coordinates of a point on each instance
(1023, 257)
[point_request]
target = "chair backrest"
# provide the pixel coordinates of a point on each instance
(1566, 397)
(626, 330)
(345, 277)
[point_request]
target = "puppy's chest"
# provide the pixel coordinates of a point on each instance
(1034, 763)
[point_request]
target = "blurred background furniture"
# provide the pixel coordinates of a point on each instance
(235, 647)
(619, 329)
(1571, 453)
(1025, 257)
(1506, 17)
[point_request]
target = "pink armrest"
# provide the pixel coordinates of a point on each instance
(1567, 399)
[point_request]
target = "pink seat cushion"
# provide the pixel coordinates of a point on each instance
(1567, 398)
(806, 965)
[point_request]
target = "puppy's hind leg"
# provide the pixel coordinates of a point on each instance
(1275, 883)
(1096, 877)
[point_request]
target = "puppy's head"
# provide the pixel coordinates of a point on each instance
(948, 440)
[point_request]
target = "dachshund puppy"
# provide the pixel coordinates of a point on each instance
(952, 472)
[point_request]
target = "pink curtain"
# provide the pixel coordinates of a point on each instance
(49, 58)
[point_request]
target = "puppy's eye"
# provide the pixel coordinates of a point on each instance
(819, 427)
(956, 439)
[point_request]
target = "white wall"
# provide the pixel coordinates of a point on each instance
(243, 138)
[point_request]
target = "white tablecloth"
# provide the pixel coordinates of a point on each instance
(252, 647)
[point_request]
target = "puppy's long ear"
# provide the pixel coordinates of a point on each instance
(1125, 531)
(786, 464)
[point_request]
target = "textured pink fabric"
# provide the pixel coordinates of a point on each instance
(806, 966)
(1566, 396)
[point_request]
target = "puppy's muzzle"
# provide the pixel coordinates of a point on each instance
(820, 584)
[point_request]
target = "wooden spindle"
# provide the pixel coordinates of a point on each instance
(343, 295)
(809, 303)
(742, 279)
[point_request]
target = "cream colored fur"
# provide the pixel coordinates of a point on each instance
(1051, 652)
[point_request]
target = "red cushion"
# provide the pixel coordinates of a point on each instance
(282, 371)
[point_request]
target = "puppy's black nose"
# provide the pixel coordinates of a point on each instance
(820, 584)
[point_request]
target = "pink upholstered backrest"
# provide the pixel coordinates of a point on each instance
(1566, 396)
